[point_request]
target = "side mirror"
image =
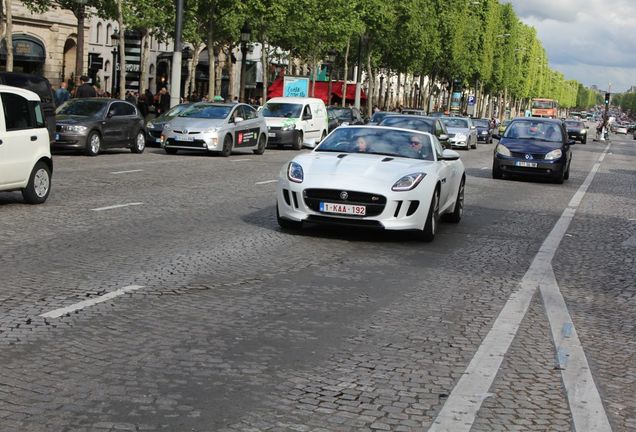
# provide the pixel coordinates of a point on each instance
(443, 137)
(238, 119)
(450, 155)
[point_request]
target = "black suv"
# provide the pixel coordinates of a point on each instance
(40, 86)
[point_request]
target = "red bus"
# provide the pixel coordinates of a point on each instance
(544, 108)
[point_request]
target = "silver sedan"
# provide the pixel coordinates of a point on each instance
(216, 127)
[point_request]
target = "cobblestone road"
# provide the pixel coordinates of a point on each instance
(240, 326)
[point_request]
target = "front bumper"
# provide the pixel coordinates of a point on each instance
(69, 141)
(578, 136)
(483, 138)
(459, 143)
(207, 142)
(401, 210)
(543, 168)
(278, 136)
(154, 136)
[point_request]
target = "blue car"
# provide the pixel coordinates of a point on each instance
(535, 147)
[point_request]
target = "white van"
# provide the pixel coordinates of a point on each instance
(25, 153)
(296, 121)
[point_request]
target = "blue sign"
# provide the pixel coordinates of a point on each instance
(295, 87)
(471, 100)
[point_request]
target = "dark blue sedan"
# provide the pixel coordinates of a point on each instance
(537, 147)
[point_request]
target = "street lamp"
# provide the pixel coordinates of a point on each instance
(246, 33)
(115, 81)
(330, 60)
(79, 52)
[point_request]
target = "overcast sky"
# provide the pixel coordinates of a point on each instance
(591, 41)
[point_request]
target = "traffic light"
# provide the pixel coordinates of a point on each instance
(607, 98)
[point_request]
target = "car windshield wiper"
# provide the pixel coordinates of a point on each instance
(331, 150)
(384, 154)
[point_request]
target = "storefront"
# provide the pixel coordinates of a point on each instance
(28, 54)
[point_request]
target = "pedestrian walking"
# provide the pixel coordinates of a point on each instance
(85, 90)
(164, 101)
(62, 94)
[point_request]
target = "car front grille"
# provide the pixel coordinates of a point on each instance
(189, 144)
(374, 203)
(539, 156)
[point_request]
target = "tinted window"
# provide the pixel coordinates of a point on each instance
(575, 124)
(456, 123)
(249, 112)
(481, 123)
(39, 116)
(17, 112)
(408, 123)
(122, 109)
(344, 114)
(36, 84)
(282, 110)
(534, 130)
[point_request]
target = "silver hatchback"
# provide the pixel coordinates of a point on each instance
(216, 127)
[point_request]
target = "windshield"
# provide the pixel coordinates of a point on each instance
(206, 111)
(575, 124)
(175, 111)
(342, 113)
(83, 108)
(379, 116)
(408, 123)
(282, 110)
(458, 123)
(371, 140)
(481, 123)
(546, 104)
(533, 130)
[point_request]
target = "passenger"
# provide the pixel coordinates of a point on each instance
(361, 145)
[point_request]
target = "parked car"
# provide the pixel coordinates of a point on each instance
(576, 130)
(155, 126)
(413, 111)
(462, 132)
(347, 116)
(25, 155)
(537, 147)
(431, 125)
(295, 121)
(40, 86)
(332, 120)
(94, 124)
(373, 177)
(620, 129)
(484, 130)
(216, 127)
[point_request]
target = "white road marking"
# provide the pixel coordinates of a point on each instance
(484, 168)
(86, 303)
(126, 172)
(459, 411)
(240, 160)
(117, 206)
(266, 181)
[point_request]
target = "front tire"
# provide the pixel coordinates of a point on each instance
(458, 210)
(39, 186)
(227, 146)
(262, 143)
(430, 227)
(496, 172)
(140, 143)
(298, 144)
(93, 144)
(287, 224)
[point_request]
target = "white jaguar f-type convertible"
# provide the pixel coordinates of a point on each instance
(375, 177)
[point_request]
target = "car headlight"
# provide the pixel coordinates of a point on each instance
(583, 131)
(289, 127)
(211, 130)
(295, 172)
(75, 128)
(502, 150)
(150, 125)
(554, 154)
(408, 182)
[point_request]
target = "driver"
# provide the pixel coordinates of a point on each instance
(361, 145)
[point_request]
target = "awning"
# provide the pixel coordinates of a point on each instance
(25, 49)
(321, 90)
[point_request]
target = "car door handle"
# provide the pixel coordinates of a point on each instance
(34, 138)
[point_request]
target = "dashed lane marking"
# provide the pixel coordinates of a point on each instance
(91, 302)
(240, 160)
(117, 206)
(460, 410)
(266, 182)
(126, 172)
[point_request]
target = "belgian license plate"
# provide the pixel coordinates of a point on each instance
(158, 140)
(526, 164)
(57, 137)
(184, 138)
(348, 209)
(271, 134)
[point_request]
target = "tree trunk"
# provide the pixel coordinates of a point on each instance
(79, 49)
(264, 64)
(380, 91)
(122, 50)
(9, 36)
(314, 75)
(450, 96)
(346, 73)
(398, 99)
(231, 66)
(145, 60)
(190, 81)
(371, 84)
(211, 70)
(219, 69)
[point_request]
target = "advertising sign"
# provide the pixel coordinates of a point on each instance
(295, 86)
(456, 101)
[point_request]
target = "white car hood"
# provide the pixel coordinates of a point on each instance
(464, 131)
(195, 124)
(362, 172)
(280, 121)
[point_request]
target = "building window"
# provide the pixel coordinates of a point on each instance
(98, 32)
(109, 31)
